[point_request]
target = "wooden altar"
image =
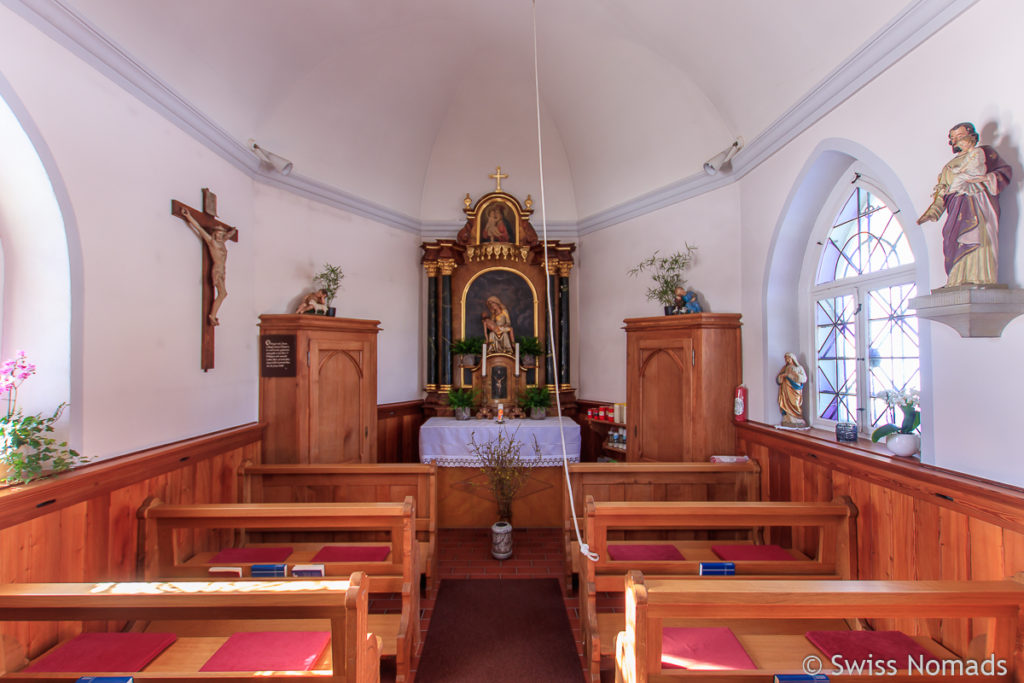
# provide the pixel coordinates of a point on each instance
(490, 282)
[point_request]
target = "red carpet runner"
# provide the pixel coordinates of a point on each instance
(499, 630)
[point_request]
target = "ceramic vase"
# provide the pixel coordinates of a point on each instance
(903, 444)
(501, 540)
(463, 412)
(538, 413)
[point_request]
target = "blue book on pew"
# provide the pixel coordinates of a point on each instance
(800, 678)
(106, 679)
(269, 570)
(717, 569)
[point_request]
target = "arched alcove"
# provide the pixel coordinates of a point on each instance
(40, 268)
(832, 163)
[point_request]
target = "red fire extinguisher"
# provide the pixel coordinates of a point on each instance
(739, 404)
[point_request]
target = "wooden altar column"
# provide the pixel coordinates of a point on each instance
(549, 374)
(447, 268)
(433, 333)
(563, 320)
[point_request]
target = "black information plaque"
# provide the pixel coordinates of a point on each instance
(277, 355)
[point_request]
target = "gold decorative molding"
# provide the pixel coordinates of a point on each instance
(552, 267)
(445, 388)
(564, 267)
(493, 251)
(430, 387)
(431, 268)
(447, 265)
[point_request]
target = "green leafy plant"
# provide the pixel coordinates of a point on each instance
(329, 279)
(530, 346)
(535, 397)
(666, 272)
(462, 398)
(26, 446)
(907, 402)
(469, 345)
(502, 463)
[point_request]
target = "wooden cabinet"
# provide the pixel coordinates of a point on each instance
(326, 410)
(681, 371)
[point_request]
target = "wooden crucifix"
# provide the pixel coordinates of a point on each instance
(214, 235)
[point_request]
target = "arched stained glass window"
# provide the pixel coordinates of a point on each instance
(866, 339)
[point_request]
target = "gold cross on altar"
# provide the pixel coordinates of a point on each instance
(498, 175)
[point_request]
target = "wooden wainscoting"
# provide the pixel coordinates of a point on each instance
(914, 521)
(398, 431)
(80, 526)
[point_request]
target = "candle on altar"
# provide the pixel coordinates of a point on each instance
(517, 359)
(483, 363)
(501, 412)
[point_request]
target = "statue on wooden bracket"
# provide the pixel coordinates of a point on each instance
(791, 380)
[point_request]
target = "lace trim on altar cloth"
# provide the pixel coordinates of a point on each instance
(471, 461)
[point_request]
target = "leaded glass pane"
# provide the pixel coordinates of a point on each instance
(835, 340)
(893, 349)
(865, 238)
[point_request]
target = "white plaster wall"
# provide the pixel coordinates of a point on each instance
(297, 236)
(902, 118)
(118, 164)
(608, 295)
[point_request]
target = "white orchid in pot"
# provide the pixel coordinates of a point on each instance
(901, 440)
(26, 447)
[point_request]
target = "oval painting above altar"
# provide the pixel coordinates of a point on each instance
(500, 305)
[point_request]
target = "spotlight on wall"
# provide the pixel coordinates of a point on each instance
(269, 159)
(715, 163)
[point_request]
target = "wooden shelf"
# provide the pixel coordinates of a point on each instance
(605, 422)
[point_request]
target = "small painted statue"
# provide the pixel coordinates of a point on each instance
(314, 302)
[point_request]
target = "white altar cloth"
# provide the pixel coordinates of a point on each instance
(444, 440)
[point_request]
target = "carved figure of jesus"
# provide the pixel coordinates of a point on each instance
(215, 243)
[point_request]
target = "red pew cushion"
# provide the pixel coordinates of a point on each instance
(860, 646)
(269, 651)
(104, 653)
(702, 649)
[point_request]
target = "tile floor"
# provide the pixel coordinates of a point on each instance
(466, 554)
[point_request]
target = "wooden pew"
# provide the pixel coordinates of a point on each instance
(351, 483)
(353, 655)
(645, 481)
(159, 557)
(755, 609)
(834, 557)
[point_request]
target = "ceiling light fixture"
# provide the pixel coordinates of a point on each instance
(269, 159)
(715, 163)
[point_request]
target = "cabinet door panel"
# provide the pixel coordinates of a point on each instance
(336, 424)
(665, 411)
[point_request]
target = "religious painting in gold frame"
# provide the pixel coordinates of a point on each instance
(500, 305)
(497, 221)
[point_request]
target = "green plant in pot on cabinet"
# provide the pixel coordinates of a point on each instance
(502, 464)
(462, 401)
(466, 352)
(329, 280)
(535, 401)
(529, 351)
(667, 275)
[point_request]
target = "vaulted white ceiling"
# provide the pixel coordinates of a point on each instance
(383, 101)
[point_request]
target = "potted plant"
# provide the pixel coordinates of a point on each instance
(502, 464)
(901, 440)
(529, 350)
(462, 402)
(26, 448)
(535, 401)
(466, 352)
(667, 274)
(329, 280)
